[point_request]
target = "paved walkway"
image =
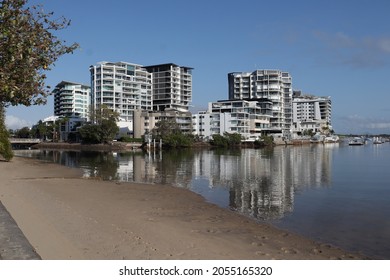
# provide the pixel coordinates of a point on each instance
(13, 243)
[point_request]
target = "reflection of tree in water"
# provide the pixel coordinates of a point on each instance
(261, 183)
(175, 167)
(227, 152)
(267, 152)
(99, 165)
(94, 164)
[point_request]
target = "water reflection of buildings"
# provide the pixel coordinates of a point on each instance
(262, 183)
(259, 183)
(313, 166)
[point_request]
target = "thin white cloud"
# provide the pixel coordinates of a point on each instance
(360, 124)
(13, 122)
(358, 52)
(384, 45)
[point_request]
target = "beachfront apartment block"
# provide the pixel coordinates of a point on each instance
(71, 107)
(248, 118)
(123, 87)
(145, 121)
(266, 86)
(311, 113)
(172, 86)
(71, 99)
(127, 88)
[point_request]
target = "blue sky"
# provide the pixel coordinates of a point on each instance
(331, 48)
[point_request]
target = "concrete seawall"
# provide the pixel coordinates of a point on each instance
(13, 243)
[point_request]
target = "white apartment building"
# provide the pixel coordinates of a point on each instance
(311, 112)
(265, 86)
(71, 100)
(248, 118)
(172, 86)
(146, 121)
(123, 87)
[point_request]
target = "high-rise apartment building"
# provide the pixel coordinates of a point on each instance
(172, 86)
(311, 112)
(123, 87)
(265, 86)
(71, 99)
(247, 118)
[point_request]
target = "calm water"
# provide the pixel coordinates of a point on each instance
(333, 193)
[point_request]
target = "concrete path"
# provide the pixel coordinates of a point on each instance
(13, 243)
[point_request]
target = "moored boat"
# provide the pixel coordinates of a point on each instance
(332, 139)
(377, 140)
(318, 138)
(356, 141)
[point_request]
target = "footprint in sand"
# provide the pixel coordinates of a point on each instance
(261, 237)
(317, 251)
(289, 250)
(260, 253)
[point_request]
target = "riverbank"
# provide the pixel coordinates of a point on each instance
(114, 146)
(13, 243)
(65, 217)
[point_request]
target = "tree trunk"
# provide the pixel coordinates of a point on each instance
(5, 145)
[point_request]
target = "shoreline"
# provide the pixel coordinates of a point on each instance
(67, 217)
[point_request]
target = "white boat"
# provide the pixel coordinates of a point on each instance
(377, 140)
(356, 141)
(332, 139)
(318, 138)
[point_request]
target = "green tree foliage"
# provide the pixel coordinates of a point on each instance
(308, 132)
(129, 139)
(265, 140)
(178, 139)
(90, 134)
(24, 132)
(219, 141)
(5, 145)
(40, 130)
(103, 127)
(28, 48)
(234, 139)
(171, 135)
(226, 140)
(108, 130)
(164, 128)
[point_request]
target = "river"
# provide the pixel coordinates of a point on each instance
(333, 193)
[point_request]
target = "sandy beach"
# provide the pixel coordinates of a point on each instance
(66, 217)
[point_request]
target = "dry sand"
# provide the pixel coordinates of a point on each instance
(66, 217)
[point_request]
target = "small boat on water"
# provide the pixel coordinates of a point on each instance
(332, 139)
(318, 138)
(377, 140)
(356, 141)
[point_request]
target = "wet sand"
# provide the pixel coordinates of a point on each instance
(66, 217)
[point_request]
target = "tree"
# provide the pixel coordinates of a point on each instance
(219, 141)
(90, 134)
(234, 139)
(226, 140)
(164, 128)
(28, 48)
(40, 130)
(168, 130)
(5, 145)
(24, 132)
(103, 127)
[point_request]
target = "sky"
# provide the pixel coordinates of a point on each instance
(330, 48)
